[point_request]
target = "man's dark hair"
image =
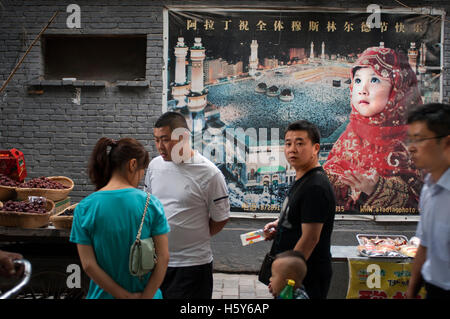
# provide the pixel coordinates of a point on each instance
(310, 128)
(435, 115)
(172, 119)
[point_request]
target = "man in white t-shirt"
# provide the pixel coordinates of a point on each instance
(195, 199)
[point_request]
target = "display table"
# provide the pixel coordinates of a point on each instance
(49, 233)
(342, 253)
(369, 277)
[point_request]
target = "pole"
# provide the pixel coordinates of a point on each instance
(26, 53)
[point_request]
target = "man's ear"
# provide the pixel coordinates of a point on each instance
(447, 149)
(181, 151)
(317, 148)
(447, 141)
(185, 136)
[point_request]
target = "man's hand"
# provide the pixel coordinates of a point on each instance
(270, 230)
(7, 267)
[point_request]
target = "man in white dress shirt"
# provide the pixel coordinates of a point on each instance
(429, 145)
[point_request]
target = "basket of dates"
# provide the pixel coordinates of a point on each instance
(387, 246)
(32, 213)
(55, 188)
(64, 219)
(7, 187)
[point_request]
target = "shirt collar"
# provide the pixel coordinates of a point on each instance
(444, 180)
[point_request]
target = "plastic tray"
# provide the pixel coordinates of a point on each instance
(377, 253)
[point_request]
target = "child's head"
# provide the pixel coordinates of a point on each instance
(370, 92)
(383, 87)
(290, 264)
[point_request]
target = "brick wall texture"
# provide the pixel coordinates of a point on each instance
(57, 135)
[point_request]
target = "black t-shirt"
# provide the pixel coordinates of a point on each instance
(310, 200)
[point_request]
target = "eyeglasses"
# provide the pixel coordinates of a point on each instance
(419, 140)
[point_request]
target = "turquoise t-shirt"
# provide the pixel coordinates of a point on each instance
(108, 221)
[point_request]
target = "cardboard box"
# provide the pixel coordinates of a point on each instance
(12, 164)
(61, 205)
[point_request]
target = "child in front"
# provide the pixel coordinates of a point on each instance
(288, 265)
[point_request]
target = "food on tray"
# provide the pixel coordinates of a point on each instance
(43, 182)
(385, 246)
(414, 241)
(384, 241)
(378, 251)
(35, 207)
(408, 250)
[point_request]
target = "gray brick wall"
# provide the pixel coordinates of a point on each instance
(57, 135)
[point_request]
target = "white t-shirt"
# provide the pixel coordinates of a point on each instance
(191, 194)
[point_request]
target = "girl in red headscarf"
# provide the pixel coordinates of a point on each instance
(369, 165)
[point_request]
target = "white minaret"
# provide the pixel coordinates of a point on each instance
(180, 66)
(197, 58)
(423, 58)
(253, 61)
(412, 56)
(197, 96)
(311, 55)
(323, 51)
(423, 54)
(181, 88)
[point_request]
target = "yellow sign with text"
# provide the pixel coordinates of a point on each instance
(373, 279)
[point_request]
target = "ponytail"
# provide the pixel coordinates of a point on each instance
(109, 155)
(100, 169)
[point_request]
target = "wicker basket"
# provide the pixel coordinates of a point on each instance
(7, 193)
(64, 222)
(53, 194)
(27, 220)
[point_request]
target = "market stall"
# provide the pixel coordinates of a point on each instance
(377, 268)
(35, 221)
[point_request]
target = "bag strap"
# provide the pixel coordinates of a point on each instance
(138, 236)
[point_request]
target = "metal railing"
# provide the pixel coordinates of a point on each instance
(25, 278)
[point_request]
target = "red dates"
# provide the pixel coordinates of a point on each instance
(39, 182)
(6, 181)
(42, 182)
(35, 207)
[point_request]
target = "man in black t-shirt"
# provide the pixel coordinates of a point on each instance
(306, 219)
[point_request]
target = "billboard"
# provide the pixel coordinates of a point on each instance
(241, 76)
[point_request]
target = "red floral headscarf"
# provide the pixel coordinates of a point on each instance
(375, 143)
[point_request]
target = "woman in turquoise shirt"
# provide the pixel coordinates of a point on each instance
(106, 222)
